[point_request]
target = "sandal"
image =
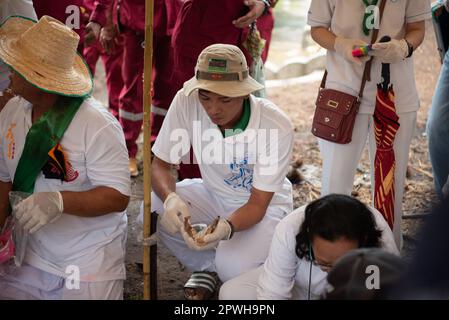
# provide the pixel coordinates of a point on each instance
(201, 285)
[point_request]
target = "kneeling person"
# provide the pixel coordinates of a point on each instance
(243, 147)
(70, 153)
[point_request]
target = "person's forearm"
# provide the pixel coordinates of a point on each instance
(162, 181)
(5, 188)
(93, 203)
(247, 216)
(324, 37)
(415, 33)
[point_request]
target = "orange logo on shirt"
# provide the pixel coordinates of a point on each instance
(12, 143)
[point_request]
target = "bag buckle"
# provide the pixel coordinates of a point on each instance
(332, 104)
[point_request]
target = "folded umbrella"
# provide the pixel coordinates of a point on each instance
(386, 125)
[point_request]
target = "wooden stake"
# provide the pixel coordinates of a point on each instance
(147, 77)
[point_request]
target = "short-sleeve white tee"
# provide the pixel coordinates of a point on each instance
(258, 157)
(344, 18)
(95, 146)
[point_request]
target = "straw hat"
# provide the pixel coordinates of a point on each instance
(222, 69)
(44, 53)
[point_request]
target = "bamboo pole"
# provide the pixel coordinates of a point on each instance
(148, 66)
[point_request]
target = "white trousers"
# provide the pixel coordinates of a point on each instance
(30, 283)
(244, 287)
(246, 250)
(340, 161)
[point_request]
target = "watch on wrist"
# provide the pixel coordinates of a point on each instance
(232, 229)
(410, 49)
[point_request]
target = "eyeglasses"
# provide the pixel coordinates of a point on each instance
(326, 267)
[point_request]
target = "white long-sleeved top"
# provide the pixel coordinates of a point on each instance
(285, 276)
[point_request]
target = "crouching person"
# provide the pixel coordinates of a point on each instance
(69, 153)
(243, 147)
(306, 245)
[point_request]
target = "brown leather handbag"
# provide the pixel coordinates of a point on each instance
(336, 111)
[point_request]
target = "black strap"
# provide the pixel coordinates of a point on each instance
(367, 69)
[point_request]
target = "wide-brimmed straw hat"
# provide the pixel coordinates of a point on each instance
(44, 53)
(222, 69)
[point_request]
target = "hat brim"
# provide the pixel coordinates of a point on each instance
(76, 82)
(232, 89)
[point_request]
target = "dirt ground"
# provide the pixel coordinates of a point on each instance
(298, 102)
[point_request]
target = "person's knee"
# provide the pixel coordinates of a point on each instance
(230, 266)
(227, 291)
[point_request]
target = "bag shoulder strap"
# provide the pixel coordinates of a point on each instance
(43, 136)
(367, 69)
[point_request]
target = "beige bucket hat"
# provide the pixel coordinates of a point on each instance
(222, 69)
(44, 53)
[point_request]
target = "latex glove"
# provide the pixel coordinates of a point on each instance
(92, 32)
(175, 212)
(39, 209)
(223, 231)
(345, 46)
(390, 52)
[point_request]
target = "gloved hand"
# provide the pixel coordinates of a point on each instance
(390, 52)
(223, 231)
(345, 46)
(39, 209)
(175, 212)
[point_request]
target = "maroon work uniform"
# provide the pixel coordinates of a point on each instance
(165, 14)
(57, 10)
(131, 21)
(202, 23)
(112, 65)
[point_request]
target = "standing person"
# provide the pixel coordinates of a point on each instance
(341, 25)
(8, 8)
(201, 23)
(165, 15)
(438, 128)
(109, 47)
(70, 154)
(306, 244)
(244, 144)
(131, 25)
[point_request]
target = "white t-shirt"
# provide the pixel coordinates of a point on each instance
(285, 276)
(257, 157)
(8, 8)
(344, 18)
(95, 146)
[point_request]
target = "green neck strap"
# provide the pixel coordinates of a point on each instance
(43, 135)
(241, 125)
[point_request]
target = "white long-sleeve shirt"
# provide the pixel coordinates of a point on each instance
(285, 276)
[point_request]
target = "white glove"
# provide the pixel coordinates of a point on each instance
(344, 47)
(39, 209)
(390, 52)
(223, 231)
(175, 212)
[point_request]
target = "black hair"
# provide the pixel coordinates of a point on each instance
(337, 216)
